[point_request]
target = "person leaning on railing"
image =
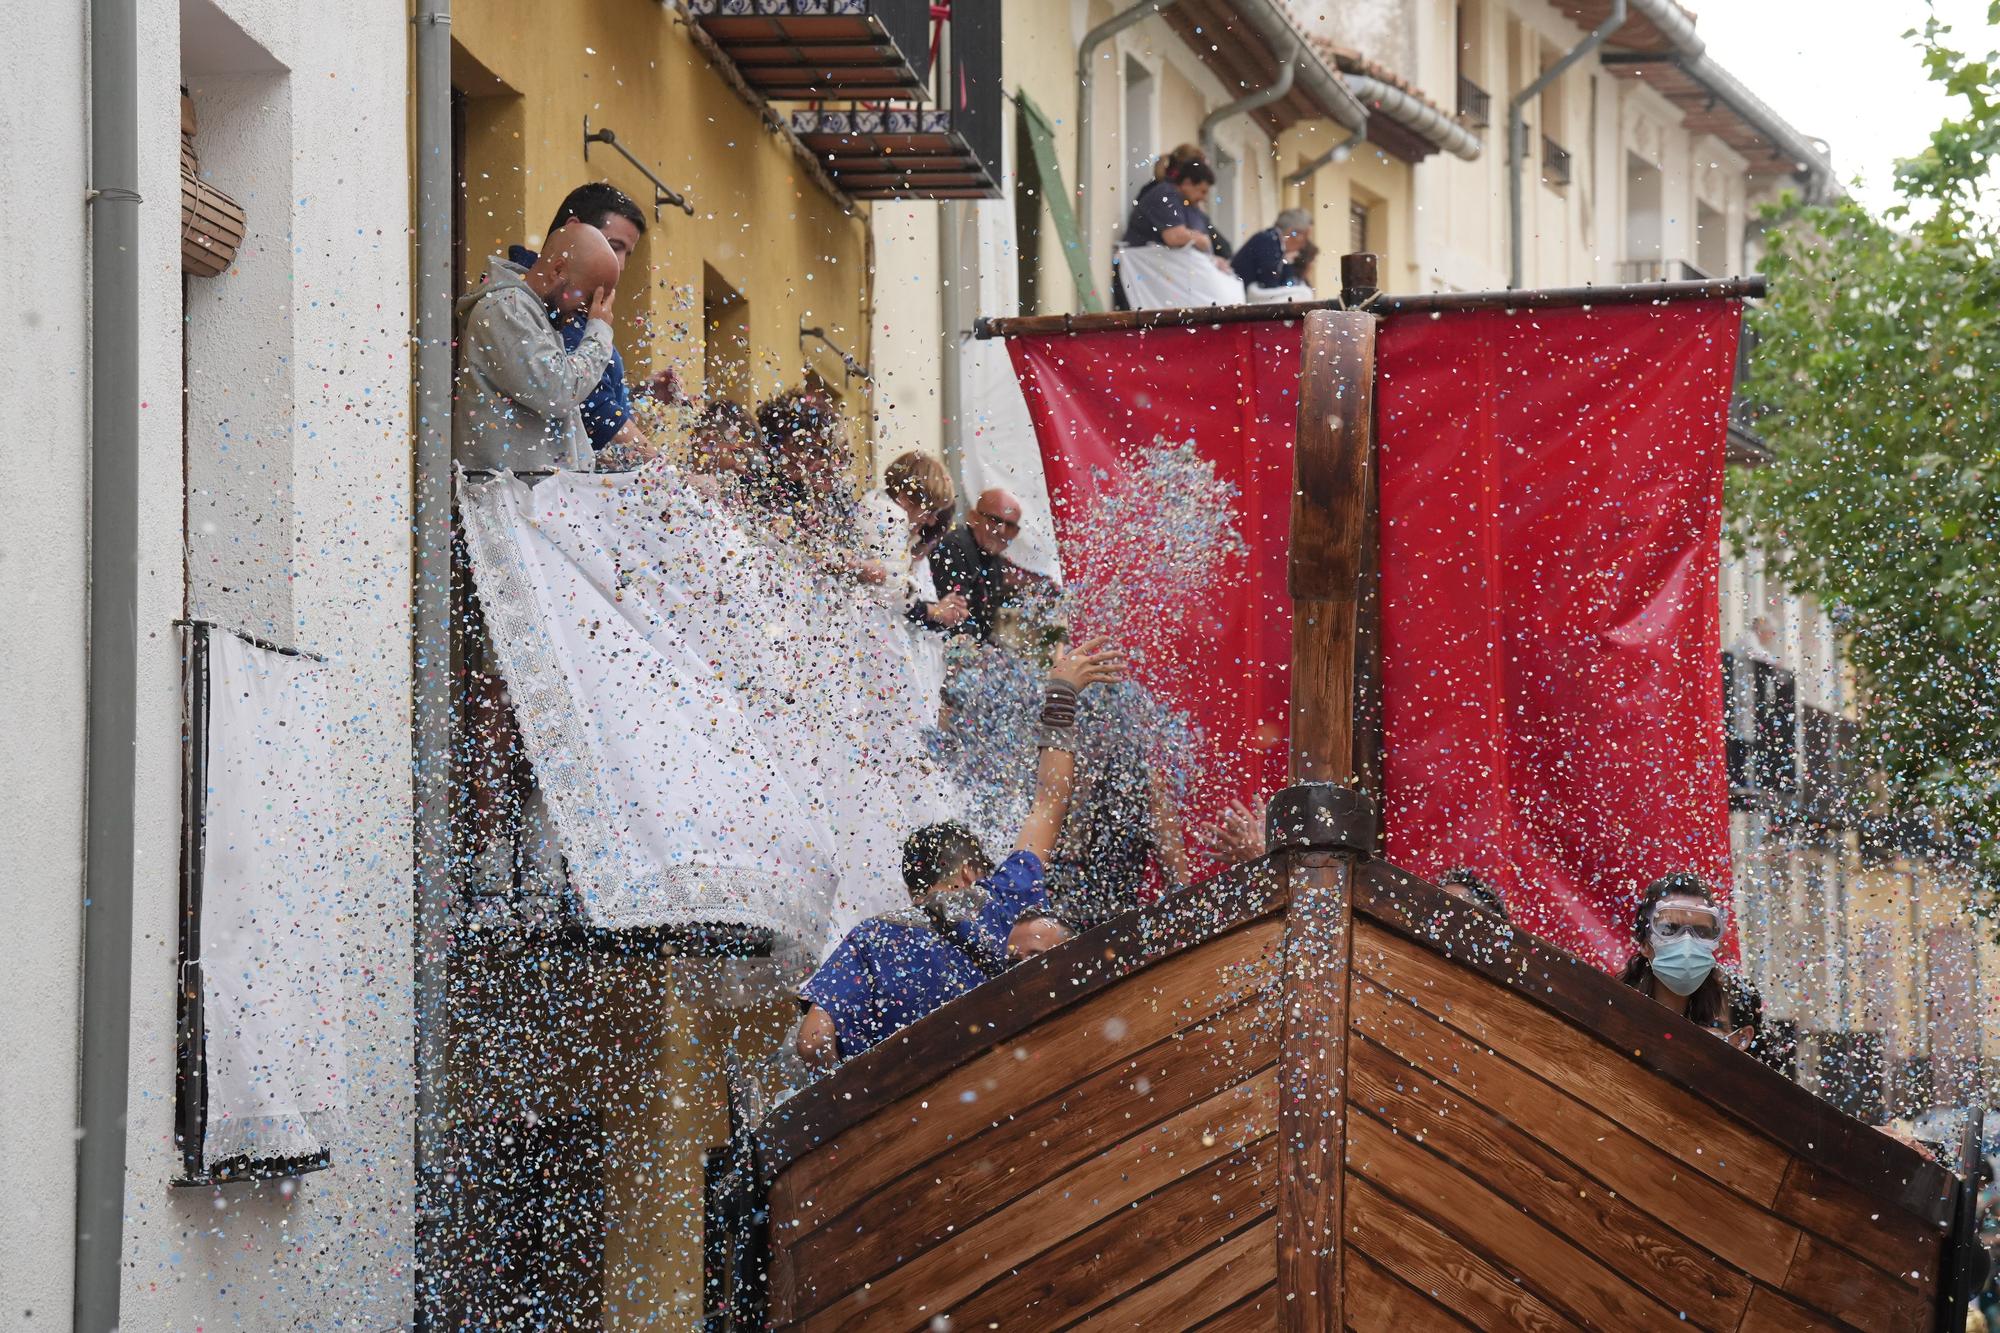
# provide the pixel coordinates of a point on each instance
(1676, 931)
(970, 918)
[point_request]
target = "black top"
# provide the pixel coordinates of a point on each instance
(959, 565)
(1262, 261)
(1159, 207)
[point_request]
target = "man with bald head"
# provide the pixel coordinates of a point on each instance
(520, 389)
(972, 560)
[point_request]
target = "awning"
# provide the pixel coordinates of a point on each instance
(1243, 41)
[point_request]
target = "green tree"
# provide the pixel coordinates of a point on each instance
(1878, 372)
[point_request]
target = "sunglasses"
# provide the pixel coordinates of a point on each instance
(1007, 525)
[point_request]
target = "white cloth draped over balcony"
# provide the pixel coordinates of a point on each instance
(1163, 277)
(724, 735)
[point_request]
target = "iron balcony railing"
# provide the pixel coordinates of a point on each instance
(1555, 162)
(1475, 104)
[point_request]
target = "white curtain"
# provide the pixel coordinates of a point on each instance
(724, 735)
(999, 446)
(270, 907)
(1161, 277)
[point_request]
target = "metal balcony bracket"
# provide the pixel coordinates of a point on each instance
(855, 370)
(664, 196)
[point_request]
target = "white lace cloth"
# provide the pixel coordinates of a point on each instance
(272, 1010)
(724, 735)
(1163, 277)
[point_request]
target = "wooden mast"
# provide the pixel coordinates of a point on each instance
(1320, 826)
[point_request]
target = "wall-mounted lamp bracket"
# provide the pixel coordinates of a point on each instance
(855, 370)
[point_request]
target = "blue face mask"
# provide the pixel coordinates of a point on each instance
(1683, 963)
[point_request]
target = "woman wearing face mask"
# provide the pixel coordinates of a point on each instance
(1677, 930)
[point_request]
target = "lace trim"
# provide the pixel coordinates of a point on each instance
(614, 895)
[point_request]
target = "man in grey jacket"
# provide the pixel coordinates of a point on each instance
(519, 388)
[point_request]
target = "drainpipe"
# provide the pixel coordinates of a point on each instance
(1287, 69)
(1338, 153)
(1517, 130)
(951, 397)
(111, 706)
(1086, 87)
(430, 610)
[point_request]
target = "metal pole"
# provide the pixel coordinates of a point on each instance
(431, 612)
(105, 1034)
(952, 304)
(1517, 130)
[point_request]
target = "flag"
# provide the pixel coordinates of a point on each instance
(1550, 489)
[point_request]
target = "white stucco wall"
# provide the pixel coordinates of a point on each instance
(298, 437)
(42, 560)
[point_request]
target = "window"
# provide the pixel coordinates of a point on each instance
(1475, 104)
(1140, 146)
(1357, 228)
(1642, 210)
(1711, 242)
(1555, 124)
(1027, 216)
(725, 351)
(1227, 210)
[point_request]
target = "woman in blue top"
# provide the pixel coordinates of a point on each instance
(1168, 212)
(969, 918)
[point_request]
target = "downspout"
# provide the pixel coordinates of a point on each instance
(111, 706)
(1086, 88)
(1338, 153)
(1517, 130)
(1288, 69)
(951, 397)
(430, 613)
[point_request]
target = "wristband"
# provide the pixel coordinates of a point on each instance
(1058, 704)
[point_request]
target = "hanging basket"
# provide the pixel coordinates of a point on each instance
(211, 222)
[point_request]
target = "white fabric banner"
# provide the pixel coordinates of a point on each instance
(724, 735)
(1161, 277)
(272, 1008)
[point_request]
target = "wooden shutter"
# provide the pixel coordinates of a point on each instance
(211, 222)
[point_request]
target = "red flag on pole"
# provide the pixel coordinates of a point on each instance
(1550, 490)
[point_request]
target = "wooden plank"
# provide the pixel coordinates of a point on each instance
(1109, 1183)
(1719, 1220)
(955, 1104)
(1829, 1278)
(1093, 1267)
(1893, 1241)
(1576, 1061)
(1331, 469)
(1556, 1270)
(1203, 1285)
(1768, 1104)
(1257, 1314)
(1312, 1091)
(910, 1064)
(1377, 1300)
(1025, 1150)
(1507, 1160)
(1416, 1250)
(1771, 1313)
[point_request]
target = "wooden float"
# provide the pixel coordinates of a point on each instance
(1316, 1093)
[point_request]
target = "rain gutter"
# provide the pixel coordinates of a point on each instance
(1416, 115)
(1250, 101)
(1517, 129)
(112, 702)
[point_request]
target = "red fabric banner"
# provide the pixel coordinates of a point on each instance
(1550, 488)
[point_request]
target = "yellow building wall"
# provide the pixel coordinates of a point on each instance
(633, 1039)
(762, 225)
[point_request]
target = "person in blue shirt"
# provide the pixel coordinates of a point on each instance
(607, 413)
(969, 919)
(1270, 258)
(1168, 212)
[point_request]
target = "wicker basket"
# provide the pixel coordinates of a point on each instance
(211, 222)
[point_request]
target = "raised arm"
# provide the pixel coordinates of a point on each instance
(1055, 772)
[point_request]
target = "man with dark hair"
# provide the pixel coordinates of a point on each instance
(607, 413)
(970, 918)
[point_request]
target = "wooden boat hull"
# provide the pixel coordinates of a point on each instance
(1106, 1138)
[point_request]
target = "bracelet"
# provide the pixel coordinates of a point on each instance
(1056, 738)
(1058, 704)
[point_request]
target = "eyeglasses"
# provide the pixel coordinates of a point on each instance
(1006, 525)
(1673, 922)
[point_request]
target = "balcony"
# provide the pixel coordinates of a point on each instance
(949, 149)
(1475, 104)
(1659, 270)
(813, 50)
(1555, 162)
